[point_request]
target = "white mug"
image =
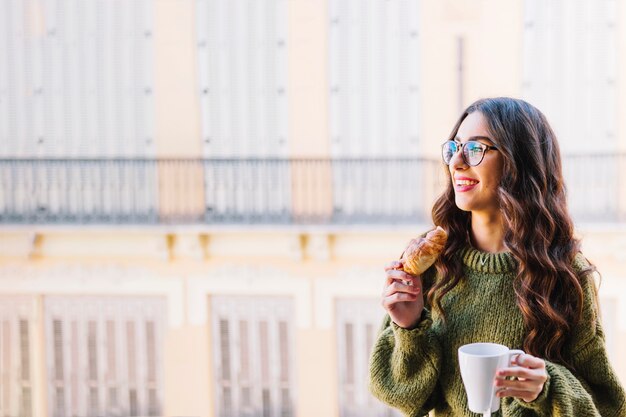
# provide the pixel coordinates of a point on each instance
(479, 363)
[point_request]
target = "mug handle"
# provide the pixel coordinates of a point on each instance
(511, 353)
(514, 352)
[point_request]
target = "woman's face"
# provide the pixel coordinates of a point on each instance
(476, 187)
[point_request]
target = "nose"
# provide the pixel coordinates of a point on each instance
(457, 161)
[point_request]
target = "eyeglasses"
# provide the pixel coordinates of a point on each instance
(472, 151)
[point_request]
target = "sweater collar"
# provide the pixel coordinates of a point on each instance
(494, 263)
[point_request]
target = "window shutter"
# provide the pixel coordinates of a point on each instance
(26, 405)
(16, 379)
(73, 363)
(92, 377)
(252, 344)
(242, 61)
(265, 364)
(73, 87)
(58, 368)
(356, 321)
(226, 383)
(153, 403)
(105, 356)
(569, 69)
(131, 352)
(349, 358)
(111, 374)
(5, 375)
(245, 372)
(374, 74)
(286, 403)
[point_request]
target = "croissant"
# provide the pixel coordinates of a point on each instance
(423, 252)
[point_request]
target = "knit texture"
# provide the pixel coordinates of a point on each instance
(417, 370)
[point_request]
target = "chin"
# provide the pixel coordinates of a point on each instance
(463, 204)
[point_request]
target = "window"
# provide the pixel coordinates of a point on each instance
(242, 53)
(358, 322)
(569, 69)
(104, 355)
(76, 78)
(16, 321)
(374, 73)
(253, 356)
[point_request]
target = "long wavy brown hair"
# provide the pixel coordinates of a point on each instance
(539, 231)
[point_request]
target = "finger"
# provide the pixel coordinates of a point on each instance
(529, 361)
(525, 395)
(518, 372)
(392, 286)
(526, 385)
(394, 275)
(393, 265)
(398, 287)
(399, 274)
(397, 298)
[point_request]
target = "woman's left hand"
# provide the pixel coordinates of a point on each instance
(530, 375)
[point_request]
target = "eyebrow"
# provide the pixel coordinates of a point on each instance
(457, 139)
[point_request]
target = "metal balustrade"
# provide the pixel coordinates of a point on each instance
(263, 191)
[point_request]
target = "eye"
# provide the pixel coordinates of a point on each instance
(474, 149)
(448, 150)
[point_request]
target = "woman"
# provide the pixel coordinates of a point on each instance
(511, 273)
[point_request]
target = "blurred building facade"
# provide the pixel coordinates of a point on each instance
(197, 197)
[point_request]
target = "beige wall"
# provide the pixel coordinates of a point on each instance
(492, 64)
(177, 111)
(308, 78)
(331, 264)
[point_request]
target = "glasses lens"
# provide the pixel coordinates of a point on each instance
(448, 149)
(473, 152)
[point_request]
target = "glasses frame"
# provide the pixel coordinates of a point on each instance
(461, 146)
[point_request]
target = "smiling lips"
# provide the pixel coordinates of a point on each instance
(462, 184)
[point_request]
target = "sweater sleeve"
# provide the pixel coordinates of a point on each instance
(592, 388)
(404, 367)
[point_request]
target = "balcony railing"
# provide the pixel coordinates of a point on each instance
(262, 191)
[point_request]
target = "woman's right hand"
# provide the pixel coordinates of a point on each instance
(402, 296)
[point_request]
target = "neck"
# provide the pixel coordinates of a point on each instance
(487, 232)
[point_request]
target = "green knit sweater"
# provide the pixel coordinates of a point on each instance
(417, 370)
